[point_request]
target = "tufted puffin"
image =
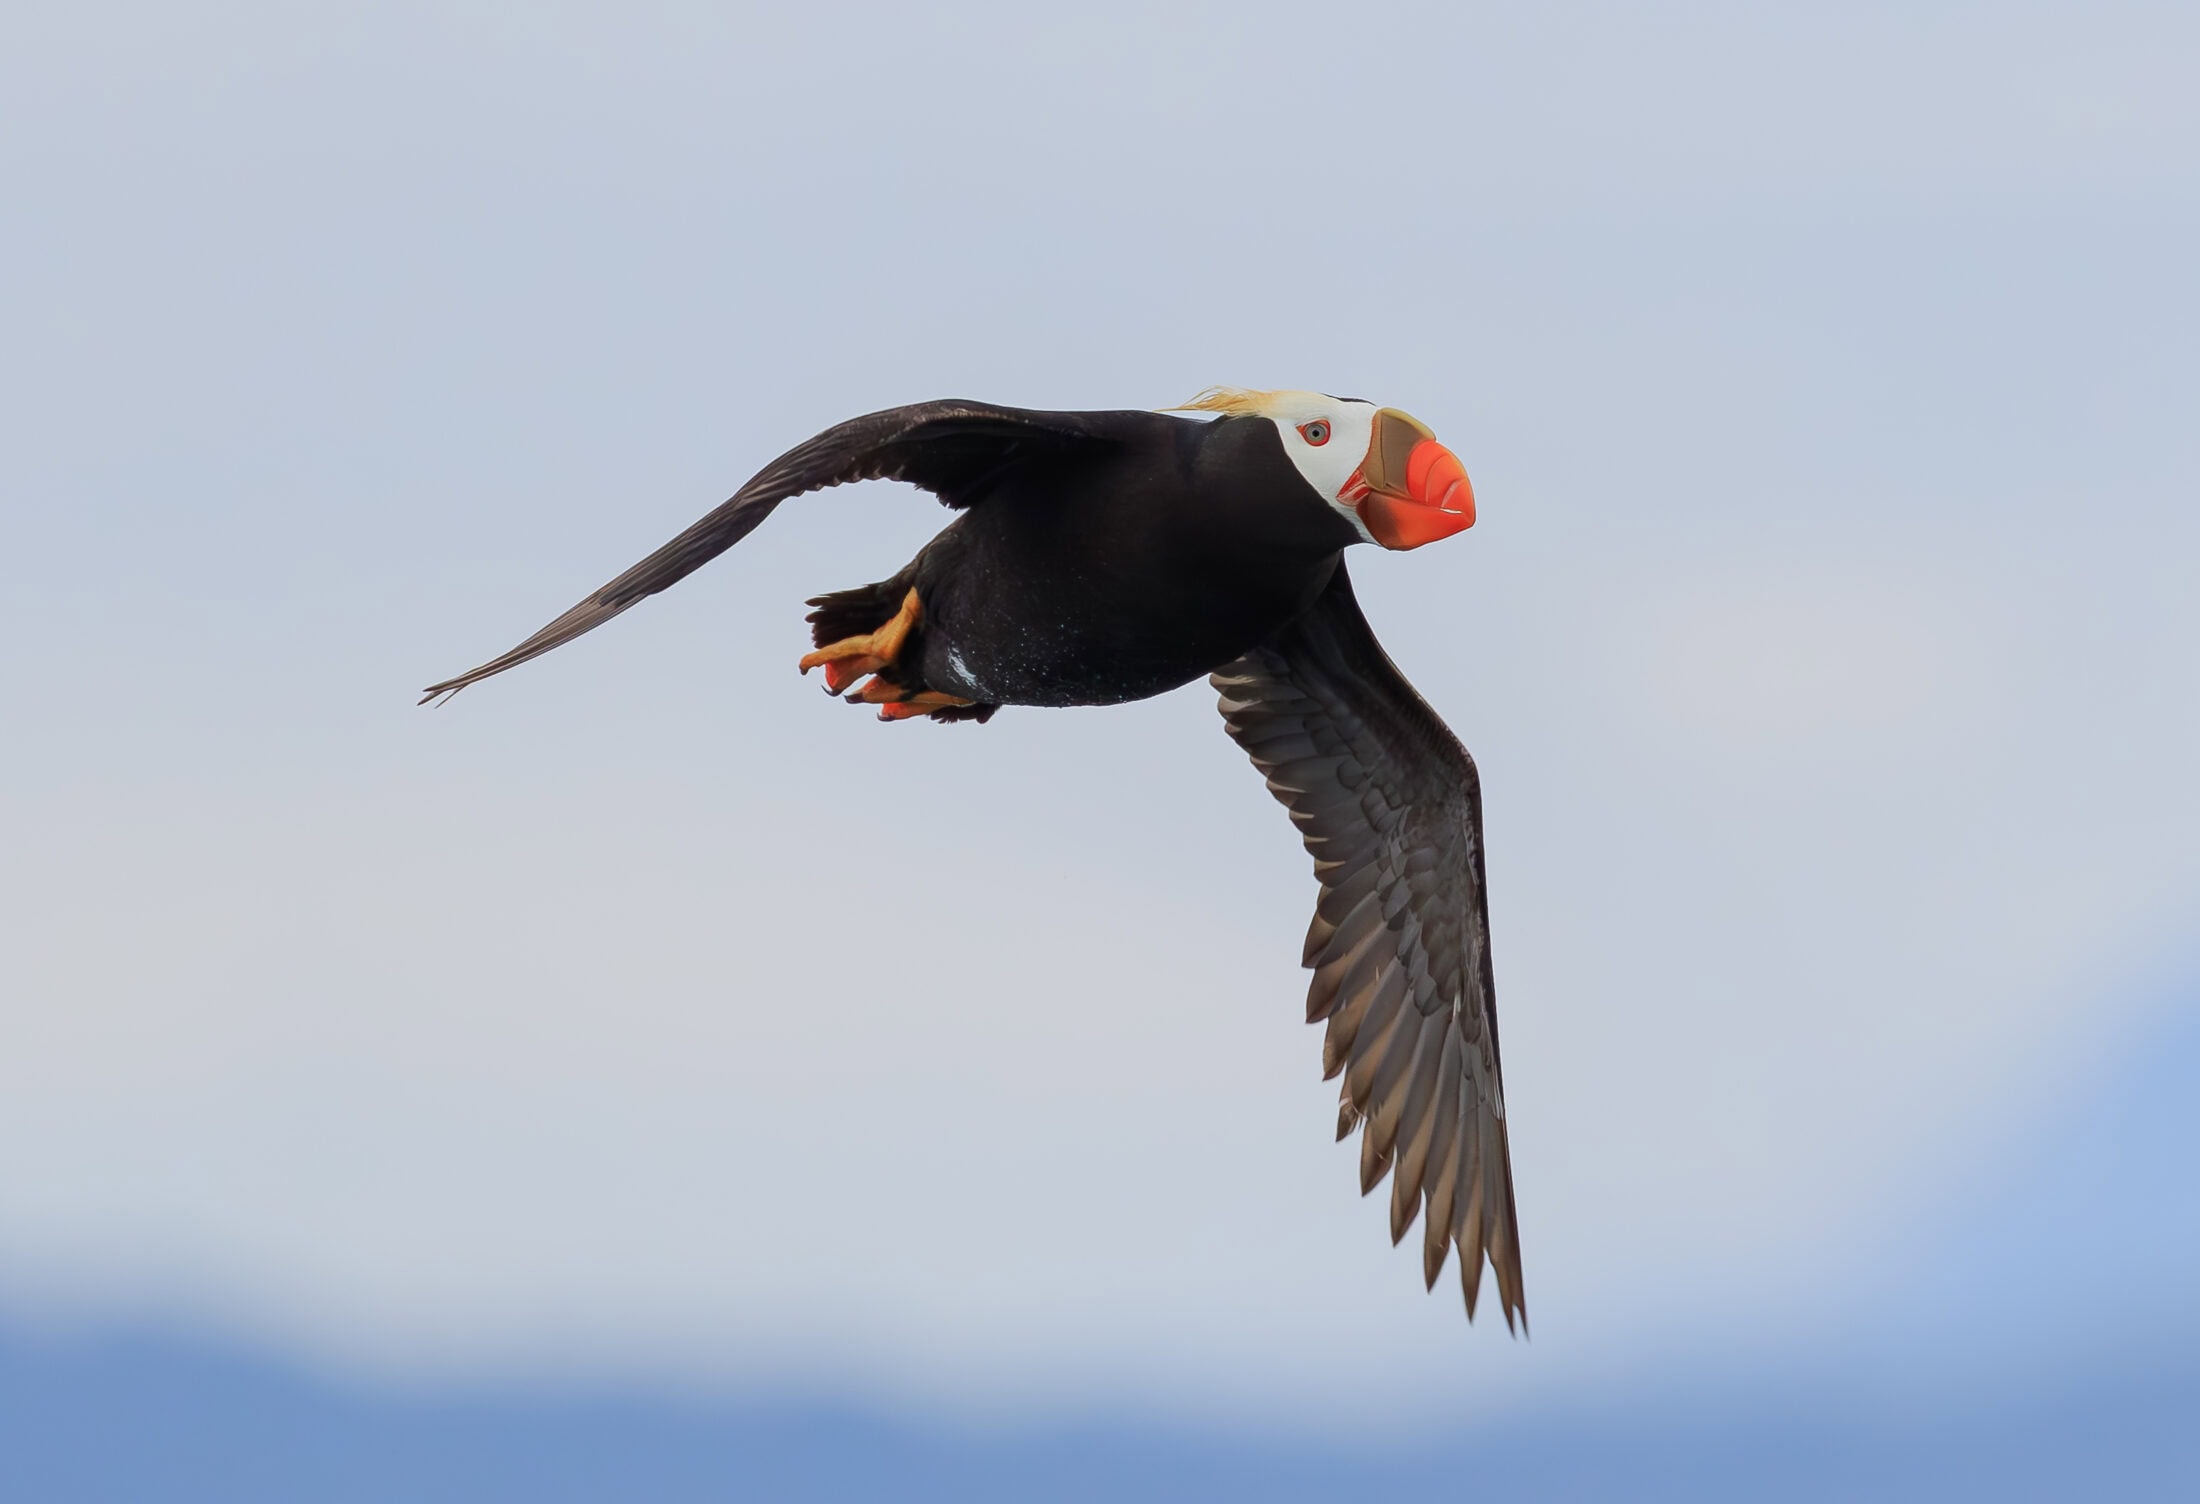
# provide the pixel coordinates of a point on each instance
(1100, 557)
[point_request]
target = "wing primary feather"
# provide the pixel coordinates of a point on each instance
(1436, 1220)
(1362, 934)
(1416, 1121)
(1385, 1093)
(1386, 1014)
(1374, 1162)
(1467, 1204)
(1372, 1003)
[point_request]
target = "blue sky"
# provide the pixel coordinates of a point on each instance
(1825, 643)
(2033, 1337)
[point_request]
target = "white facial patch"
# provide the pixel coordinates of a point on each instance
(1328, 465)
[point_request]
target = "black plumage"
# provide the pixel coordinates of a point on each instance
(1099, 557)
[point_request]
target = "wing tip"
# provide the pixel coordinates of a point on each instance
(1516, 1313)
(1510, 1299)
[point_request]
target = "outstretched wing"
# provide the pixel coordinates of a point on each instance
(1390, 808)
(954, 449)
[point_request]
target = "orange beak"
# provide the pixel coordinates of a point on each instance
(1410, 490)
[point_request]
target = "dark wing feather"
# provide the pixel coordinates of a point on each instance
(1390, 808)
(954, 449)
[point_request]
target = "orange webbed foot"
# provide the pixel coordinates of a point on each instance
(897, 704)
(851, 658)
(931, 702)
(843, 672)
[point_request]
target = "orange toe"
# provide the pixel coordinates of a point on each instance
(838, 676)
(920, 704)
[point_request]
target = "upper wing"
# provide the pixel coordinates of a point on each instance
(953, 449)
(1391, 810)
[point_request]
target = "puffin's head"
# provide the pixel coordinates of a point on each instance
(1380, 468)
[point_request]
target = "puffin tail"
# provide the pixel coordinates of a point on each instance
(853, 613)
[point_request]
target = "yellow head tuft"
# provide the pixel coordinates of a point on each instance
(1233, 401)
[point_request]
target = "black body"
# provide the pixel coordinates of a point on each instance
(1118, 571)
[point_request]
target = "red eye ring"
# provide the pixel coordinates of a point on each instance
(1316, 432)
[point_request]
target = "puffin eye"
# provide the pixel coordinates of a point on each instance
(1316, 432)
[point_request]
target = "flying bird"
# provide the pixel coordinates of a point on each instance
(1102, 557)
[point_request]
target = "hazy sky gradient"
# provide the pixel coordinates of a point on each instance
(1827, 380)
